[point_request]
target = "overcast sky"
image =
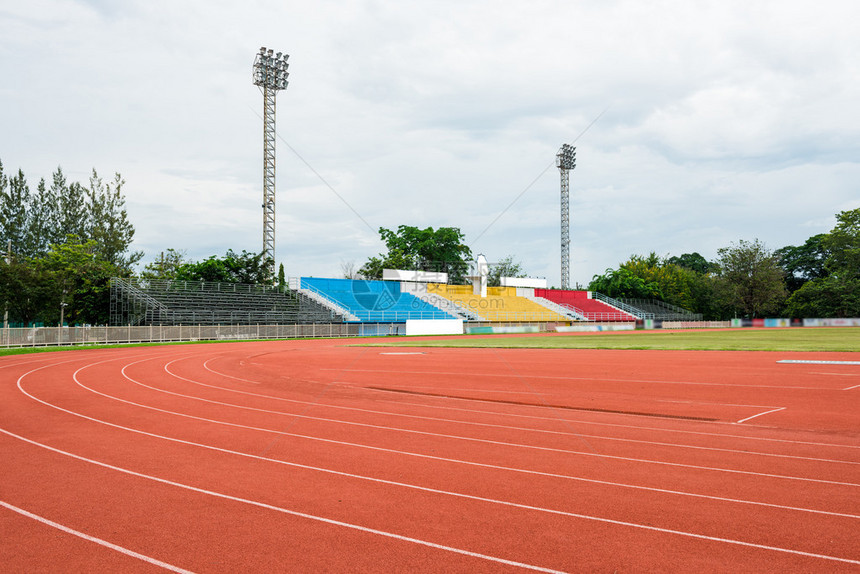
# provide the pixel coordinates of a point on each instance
(715, 121)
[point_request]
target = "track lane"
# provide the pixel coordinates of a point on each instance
(309, 388)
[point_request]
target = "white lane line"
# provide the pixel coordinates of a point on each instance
(493, 391)
(800, 362)
(392, 451)
(508, 415)
(404, 353)
(489, 425)
(560, 378)
(453, 494)
(624, 426)
(852, 388)
(89, 538)
(291, 512)
(479, 440)
(424, 542)
(709, 403)
(761, 415)
(400, 452)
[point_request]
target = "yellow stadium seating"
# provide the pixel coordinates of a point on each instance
(501, 303)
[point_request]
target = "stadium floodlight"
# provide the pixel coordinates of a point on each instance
(270, 74)
(565, 160)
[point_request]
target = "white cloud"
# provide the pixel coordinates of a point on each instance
(723, 120)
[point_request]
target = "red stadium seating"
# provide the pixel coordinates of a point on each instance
(582, 303)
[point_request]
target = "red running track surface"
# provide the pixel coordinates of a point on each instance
(316, 456)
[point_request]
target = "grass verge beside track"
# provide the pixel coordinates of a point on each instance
(795, 339)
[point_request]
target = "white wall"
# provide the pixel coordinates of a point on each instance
(434, 327)
(417, 276)
(533, 282)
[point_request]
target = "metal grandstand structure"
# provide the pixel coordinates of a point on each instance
(663, 310)
(165, 302)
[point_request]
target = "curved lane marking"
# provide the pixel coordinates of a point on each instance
(99, 541)
(418, 541)
(405, 453)
(505, 427)
(358, 527)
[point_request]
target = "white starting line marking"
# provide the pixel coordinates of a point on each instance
(792, 361)
(760, 414)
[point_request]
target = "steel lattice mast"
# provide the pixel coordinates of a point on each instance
(565, 160)
(270, 74)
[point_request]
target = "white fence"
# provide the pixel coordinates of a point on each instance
(56, 336)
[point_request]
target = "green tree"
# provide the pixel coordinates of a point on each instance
(73, 210)
(246, 267)
(843, 244)
(166, 266)
(14, 214)
(109, 225)
(28, 290)
(282, 279)
(505, 267)
(750, 279)
(83, 282)
(693, 261)
(427, 249)
(831, 296)
(39, 226)
(625, 283)
(832, 288)
(804, 262)
(66, 242)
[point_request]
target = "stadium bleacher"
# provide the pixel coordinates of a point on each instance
(500, 304)
(584, 304)
(326, 300)
(663, 311)
(140, 302)
(374, 301)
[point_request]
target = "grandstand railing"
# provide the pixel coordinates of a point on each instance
(598, 316)
(448, 306)
(629, 309)
(565, 310)
(171, 302)
(94, 335)
(663, 310)
(202, 286)
(322, 298)
(378, 315)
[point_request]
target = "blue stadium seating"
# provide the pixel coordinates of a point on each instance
(374, 301)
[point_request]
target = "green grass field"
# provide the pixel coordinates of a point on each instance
(832, 339)
(797, 339)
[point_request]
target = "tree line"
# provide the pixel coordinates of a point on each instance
(244, 267)
(61, 243)
(820, 278)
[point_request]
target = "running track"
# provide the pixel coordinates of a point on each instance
(315, 456)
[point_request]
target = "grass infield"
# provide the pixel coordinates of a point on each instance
(817, 339)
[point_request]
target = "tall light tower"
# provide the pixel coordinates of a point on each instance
(565, 160)
(270, 74)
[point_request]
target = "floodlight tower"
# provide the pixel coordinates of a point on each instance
(270, 74)
(565, 160)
